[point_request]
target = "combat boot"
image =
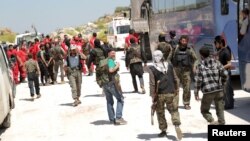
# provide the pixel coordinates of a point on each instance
(75, 103)
(162, 134)
(143, 90)
(79, 101)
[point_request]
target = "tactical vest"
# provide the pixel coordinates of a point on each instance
(135, 54)
(182, 58)
(99, 55)
(166, 84)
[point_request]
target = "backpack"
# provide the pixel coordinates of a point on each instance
(102, 72)
(58, 53)
(99, 55)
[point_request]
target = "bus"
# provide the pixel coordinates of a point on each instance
(202, 20)
(118, 30)
(244, 50)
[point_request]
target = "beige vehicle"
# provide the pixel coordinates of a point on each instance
(7, 90)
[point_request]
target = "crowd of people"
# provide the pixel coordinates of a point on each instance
(174, 63)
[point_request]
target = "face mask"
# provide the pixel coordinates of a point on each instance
(157, 56)
(157, 59)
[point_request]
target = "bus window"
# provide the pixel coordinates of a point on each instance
(224, 7)
(123, 29)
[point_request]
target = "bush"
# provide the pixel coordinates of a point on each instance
(121, 9)
(102, 36)
(8, 38)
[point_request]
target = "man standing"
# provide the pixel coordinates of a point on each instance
(33, 72)
(164, 47)
(92, 40)
(134, 59)
(72, 67)
(164, 86)
(209, 78)
(110, 90)
(184, 61)
(58, 56)
(224, 56)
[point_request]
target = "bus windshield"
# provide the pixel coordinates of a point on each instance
(123, 29)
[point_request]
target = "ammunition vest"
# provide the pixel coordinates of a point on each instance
(182, 58)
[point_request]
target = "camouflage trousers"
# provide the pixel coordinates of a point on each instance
(206, 102)
(166, 99)
(185, 81)
(59, 64)
(75, 82)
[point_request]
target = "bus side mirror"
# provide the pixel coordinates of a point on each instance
(224, 7)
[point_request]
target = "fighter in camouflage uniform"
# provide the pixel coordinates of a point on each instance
(164, 47)
(184, 61)
(164, 86)
(96, 55)
(72, 67)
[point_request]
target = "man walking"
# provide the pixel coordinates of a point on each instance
(96, 55)
(134, 59)
(184, 61)
(33, 71)
(164, 86)
(209, 78)
(73, 71)
(110, 89)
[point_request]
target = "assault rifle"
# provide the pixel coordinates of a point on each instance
(154, 104)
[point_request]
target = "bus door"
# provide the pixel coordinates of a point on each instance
(243, 50)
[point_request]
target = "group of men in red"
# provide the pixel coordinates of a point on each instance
(17, 54)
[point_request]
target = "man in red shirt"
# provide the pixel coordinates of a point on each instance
(35, 49)
(132, 34)
(14, 59)
(92, 40)
(92, 45)
(22, 54)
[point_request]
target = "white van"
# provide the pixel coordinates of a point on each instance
(118, 30)
(7, 90)
(27, 37)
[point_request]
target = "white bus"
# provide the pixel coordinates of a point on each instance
(118, 30)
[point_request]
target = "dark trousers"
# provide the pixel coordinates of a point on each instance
(229, 93)
(136, 69)
(51, 71)
(134, 80)
(44, 72)
(33, 80)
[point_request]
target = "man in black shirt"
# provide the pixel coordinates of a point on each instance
(224, 56)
